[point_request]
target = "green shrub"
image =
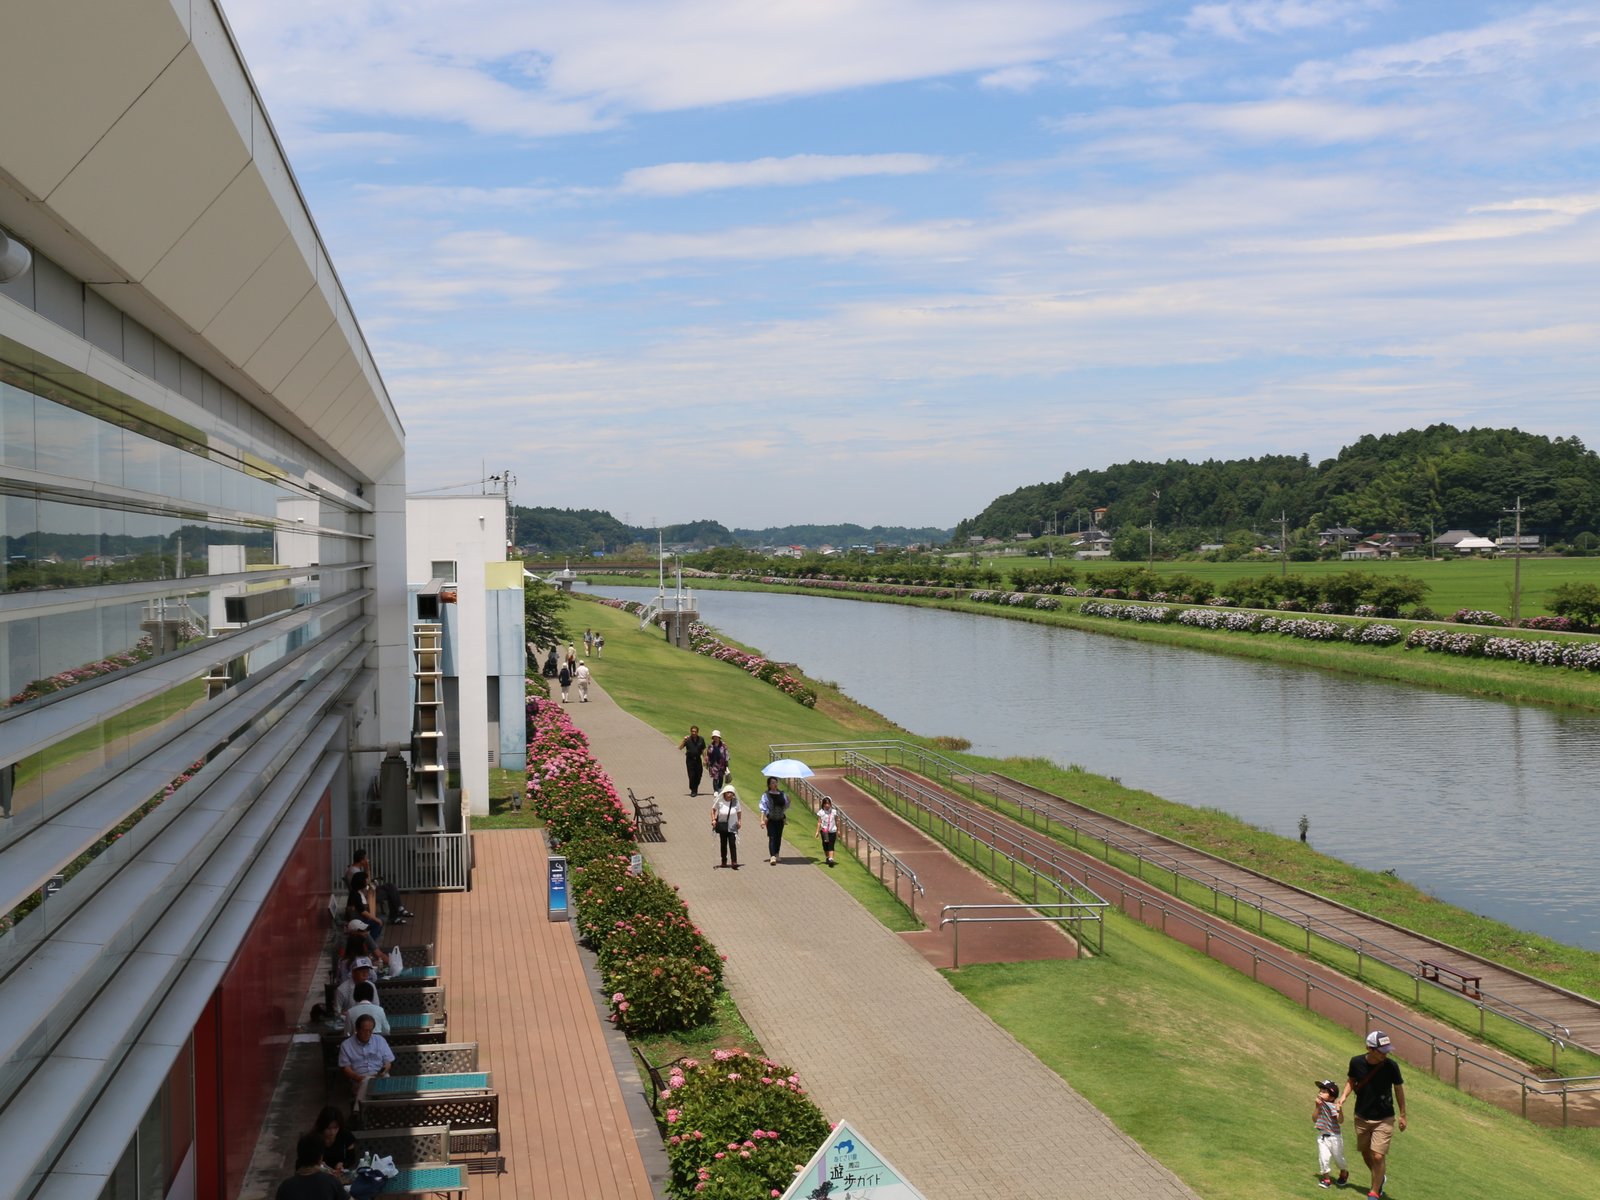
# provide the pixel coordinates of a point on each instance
(737, 1097)
(604, 898)
(598, 846)
(654, 993)
(674, 934)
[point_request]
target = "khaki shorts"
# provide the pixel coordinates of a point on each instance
(1374, 1136)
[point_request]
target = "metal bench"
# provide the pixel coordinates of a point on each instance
(418, 976)
(657, 1075)
(647, 817)
(435, 1084)
(1470, 985)
(407, 1031)
(473, 1117)
(406, 1000)
(422, 1154)
(442, 1058)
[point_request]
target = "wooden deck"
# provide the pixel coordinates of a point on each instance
(518, 989)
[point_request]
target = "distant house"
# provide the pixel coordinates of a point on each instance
(1339, 533)
(1473, 545)
(1023, 537)
(1447, 541)
(788, 552)
(1367, 549)
(1528, 543)
(1093, 539)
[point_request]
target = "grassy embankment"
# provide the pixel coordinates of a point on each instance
(1196, 1024)
(1490, 678)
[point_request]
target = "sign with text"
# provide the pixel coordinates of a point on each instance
(636, 865)
(560, 910)
(848, 1168)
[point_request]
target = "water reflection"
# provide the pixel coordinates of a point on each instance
(1486, 804)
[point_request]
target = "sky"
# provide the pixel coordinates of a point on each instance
(880, 261)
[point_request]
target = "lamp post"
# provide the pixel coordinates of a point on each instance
(1283, 543)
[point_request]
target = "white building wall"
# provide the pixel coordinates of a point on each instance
(469, 531)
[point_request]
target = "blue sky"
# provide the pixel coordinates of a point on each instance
(882, 260)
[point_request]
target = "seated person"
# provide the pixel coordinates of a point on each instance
(366, 1005)
(364, 1056)
(376, 893)
(358, 943)
(339, 1152)
(359, 908)
(345, 994)
(310, 1181)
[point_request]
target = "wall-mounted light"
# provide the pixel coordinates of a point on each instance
(14, 258)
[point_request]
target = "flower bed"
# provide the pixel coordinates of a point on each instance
(703, 641)
(739, 1127)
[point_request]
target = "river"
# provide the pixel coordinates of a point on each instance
(1488, 805)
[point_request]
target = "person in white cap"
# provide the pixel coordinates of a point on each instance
(1378, 1086)
(717, 763)
(361, 971)
(581, 678)
(725, 815)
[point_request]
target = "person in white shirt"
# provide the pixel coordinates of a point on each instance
(828, 827)
(364, 1056)
(725, 814)
(360, 972)
(582, 679)
(366, 1005)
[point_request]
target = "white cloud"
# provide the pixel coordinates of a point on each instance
(686, 178)
(549, 68)
(1498, 47)
(1022, 78)
(1240, 19)
(1309, 122)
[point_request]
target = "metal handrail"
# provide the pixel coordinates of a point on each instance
(960, 777)
(848, 829)
(1308, 984)
(1068, 886)
(955, 949)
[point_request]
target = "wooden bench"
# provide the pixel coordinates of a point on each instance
(473, 1118)
(658, 1076)
(1470, 985)
(423, 1155)
(647, 816)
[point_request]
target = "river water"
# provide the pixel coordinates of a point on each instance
(1488, 805)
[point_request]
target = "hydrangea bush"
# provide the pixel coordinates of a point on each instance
(654, 993)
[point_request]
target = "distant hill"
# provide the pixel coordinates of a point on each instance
(585, 530)
(1455, 478)
(840, 535)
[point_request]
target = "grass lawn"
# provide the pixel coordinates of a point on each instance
(1213, 1075)
(504, 786)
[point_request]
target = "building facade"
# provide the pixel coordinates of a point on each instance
(201, 592)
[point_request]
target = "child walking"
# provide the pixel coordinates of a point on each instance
(1325, 1117)
(828, 827)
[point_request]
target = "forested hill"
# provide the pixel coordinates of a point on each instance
(840, 535)
(584, 530)
(1455, 478)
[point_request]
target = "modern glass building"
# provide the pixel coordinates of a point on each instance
(203, 611)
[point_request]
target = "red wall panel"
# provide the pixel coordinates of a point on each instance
(246, 1027)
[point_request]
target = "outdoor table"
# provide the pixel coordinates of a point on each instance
(427, 1180)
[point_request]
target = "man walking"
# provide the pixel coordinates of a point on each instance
(1378, 1086)
(582, 678)
(694, 757)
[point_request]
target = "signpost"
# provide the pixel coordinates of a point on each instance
(846, 1167)
(560, 909)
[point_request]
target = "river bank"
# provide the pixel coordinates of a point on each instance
(1487, 678)
(693, 697)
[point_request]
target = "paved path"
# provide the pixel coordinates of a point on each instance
(878, 1036)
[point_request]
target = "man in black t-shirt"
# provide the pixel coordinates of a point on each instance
(1376, 1082)
(694, 753)
(310, 1181)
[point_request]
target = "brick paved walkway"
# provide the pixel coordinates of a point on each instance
(950, 1098)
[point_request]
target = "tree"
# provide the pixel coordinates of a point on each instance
(544, 608)
(1577, 601)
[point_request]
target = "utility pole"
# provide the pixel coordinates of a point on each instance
(1516, 566)
(1153, 510)
(1283, 542)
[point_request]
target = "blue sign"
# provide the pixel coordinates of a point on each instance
(560, 910)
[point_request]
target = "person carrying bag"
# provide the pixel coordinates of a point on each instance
(725, 816)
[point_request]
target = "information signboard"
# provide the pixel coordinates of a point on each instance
(560, 909)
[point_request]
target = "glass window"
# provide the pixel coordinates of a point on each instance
(16, 426)
(63, 440)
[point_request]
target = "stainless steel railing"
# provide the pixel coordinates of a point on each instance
(866, 848)
(1072, 913)
(422, 862)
